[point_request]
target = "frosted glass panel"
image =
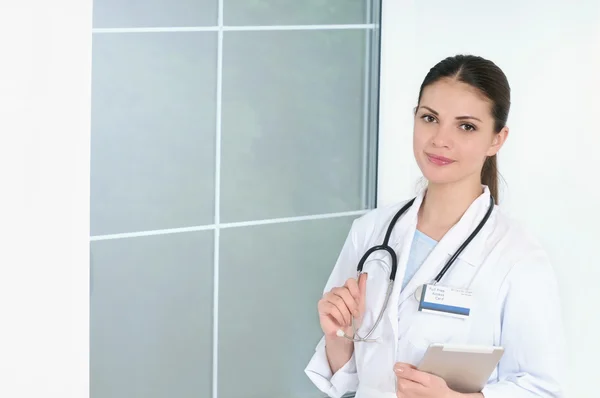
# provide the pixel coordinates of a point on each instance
(271, 278)
(293, 136)
(151, 316)
(153, 131)
(154, 13)
(295, 116)
(285, 12)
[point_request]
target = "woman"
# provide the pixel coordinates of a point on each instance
(459, 127)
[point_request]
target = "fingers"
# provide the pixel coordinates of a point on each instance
(352, 285)
(362, 285)
(340, 304)
(343, 303)
(407, 388)
(329, 309)
(402, 365)
(348, 300)
(408, 373)
(345, 309)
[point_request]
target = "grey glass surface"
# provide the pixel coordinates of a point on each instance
(153, 131)
(292, 12)
(154, 13)
(271, 277)
(372, 122)
(375, 15)
(292, 138)
(151, 316)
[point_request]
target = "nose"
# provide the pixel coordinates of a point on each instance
(442, 137)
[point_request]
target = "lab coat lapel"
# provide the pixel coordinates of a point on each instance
(446, 247)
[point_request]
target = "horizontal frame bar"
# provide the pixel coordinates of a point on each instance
(210, 227)
(234, 28)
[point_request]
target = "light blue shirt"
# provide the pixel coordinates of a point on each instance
(421, 246)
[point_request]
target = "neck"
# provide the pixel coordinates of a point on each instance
(444, 205)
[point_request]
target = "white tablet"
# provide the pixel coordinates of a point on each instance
(465, 368)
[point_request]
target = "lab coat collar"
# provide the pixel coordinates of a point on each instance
(473, 253)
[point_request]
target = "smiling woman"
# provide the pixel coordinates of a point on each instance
(459, 127)
(460, 121)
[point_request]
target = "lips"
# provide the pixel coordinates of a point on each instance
(439, 160)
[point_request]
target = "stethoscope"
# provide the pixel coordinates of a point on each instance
(386, 247)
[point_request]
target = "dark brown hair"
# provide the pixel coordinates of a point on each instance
(489, 79)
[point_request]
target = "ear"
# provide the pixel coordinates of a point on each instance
(497, 141)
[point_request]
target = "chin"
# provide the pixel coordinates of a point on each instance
(439, 180)
(438, 175)
(443, 176)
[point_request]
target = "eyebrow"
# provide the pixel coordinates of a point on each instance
(457, 118)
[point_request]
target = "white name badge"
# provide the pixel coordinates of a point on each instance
(445, 300)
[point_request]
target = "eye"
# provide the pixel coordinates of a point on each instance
(468, 127)
(428, 118)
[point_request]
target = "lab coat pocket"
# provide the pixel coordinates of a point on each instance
(428, 328)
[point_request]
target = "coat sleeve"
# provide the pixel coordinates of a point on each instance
(533, 363)
(318, 369)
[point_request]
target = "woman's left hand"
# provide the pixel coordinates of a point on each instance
(412, 383)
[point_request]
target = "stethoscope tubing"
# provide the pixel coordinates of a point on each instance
(394, 260)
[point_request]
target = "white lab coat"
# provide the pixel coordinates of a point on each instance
(516, 305)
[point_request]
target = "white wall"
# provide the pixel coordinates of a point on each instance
(550, 51)
(45, 82)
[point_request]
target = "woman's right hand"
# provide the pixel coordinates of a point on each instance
(340, 304)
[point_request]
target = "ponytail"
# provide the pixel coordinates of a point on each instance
(489, 176)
